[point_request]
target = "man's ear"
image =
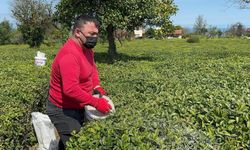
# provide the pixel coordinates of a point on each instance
(77, 33)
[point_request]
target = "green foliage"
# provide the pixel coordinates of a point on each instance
(23, 90)
(9, 35)
(118, 14)
(5, 32)
(200, 26)
(178, 27)
(33, 17)
(161, 18)
(235, 30)
(16, 37)
(168, 94)
(125, 14)
(56, 36)
(193, 39)
(247, 33)
(32, 35)
(214, 32)
(173, 95)
(150, 33)
(159, 34)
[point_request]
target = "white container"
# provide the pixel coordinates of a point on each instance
(40, 61)
(92, 114)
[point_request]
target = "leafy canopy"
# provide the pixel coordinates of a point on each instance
(122, 14)
(33, 17)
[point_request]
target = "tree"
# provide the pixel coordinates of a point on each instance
(33, 17)
(16, 37)
(5, 32)
(200, 26)
(150, 33)
(236, 30)
(214, 32)
(247, 33)
(117, 14)
(178, 27)
(243, 4)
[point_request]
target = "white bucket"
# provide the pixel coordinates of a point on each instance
(40, 61)
(92, 114)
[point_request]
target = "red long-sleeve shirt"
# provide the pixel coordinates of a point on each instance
(73, 76)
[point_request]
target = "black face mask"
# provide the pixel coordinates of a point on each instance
(90, 41)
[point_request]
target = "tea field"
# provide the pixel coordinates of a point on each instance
(169, 94)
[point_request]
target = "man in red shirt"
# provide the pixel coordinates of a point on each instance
(73, 79)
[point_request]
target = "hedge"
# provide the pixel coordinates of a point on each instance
(168, 95)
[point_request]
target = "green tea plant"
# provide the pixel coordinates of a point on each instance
(193, 39)
(168, 95)
(23, 90)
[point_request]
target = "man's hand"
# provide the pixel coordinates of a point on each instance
(100, 90)
(101, 105)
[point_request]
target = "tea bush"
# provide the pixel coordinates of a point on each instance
(23, 90)
(193, 39)
(168, 95)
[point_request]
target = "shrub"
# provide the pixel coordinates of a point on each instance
(166, 97)
(179, 99)
(5, 32)
(150, 33)
(33, 18)
(193, 39)
(247, 34)
(16, 37)
(186, 35)
(23, 89)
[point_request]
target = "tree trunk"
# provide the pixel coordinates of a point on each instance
(112, 47)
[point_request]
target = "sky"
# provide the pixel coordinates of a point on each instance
(5, 12)
(220, 13)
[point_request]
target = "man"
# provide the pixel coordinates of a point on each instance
(73, 79)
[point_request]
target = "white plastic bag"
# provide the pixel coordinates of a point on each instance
(45, 131)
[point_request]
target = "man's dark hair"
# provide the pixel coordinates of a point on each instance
(83, 19)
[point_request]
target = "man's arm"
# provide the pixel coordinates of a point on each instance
(96, 82)
(95, 76)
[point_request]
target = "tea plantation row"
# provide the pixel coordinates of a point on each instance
(168, 94)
